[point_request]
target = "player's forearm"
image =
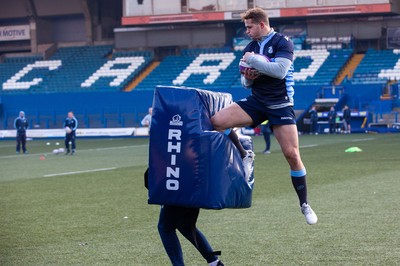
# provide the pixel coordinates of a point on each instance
(277, 69)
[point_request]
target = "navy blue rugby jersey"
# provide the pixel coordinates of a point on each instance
(273, 92)
(72, 123)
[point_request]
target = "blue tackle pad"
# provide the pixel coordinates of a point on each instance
(190, 164)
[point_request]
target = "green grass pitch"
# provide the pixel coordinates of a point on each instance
(91, 208)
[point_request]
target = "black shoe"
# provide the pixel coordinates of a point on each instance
(73, 152)
(67, 153)
(220, 263)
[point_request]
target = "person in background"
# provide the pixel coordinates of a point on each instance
(184, 220)
(266, 131)
(332, 120)
(21, 125)
(146, 121)
(314, 120)
(70, 126)
(346, 120)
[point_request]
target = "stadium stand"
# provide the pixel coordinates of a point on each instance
(10, 67)
(63, 75)
(377, 67)
(319, 67)
(95, 68)
(210, 69)
(122, 58)
(99, 69)
(23, 59)
(313, 67)
(74, 69)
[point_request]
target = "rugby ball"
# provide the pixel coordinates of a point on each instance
(243, 66)
(68, 130)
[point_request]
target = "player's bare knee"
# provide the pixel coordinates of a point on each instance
(292, 155)
(215, 121)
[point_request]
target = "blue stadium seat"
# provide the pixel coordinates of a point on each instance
(319, 67)
(377, 67)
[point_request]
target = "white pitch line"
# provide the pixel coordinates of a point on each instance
(117, 148)
(357, 140)
(309, 146)
(86, 150)
(81, 172)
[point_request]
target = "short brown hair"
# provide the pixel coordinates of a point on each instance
(256, 14)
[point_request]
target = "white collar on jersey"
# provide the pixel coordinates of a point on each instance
(266, 39)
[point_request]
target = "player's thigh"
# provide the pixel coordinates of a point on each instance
(231, 116)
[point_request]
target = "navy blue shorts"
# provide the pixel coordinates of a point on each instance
(259, 112)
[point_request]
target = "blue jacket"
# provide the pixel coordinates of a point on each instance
(21, 125)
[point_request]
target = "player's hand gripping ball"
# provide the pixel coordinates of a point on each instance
(68, 130)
